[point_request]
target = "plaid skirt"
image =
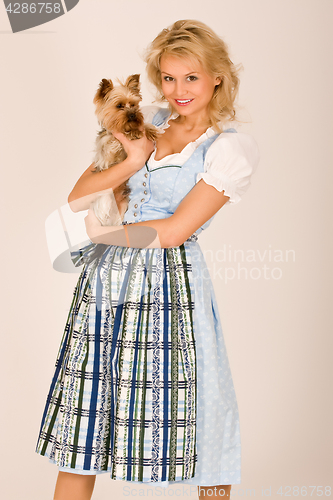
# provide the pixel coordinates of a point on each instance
(123, 398)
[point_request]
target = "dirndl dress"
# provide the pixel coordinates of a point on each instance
(142, 388)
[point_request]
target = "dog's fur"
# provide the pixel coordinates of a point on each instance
(117, 109)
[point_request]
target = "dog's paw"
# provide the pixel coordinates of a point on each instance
(152, 132)
(137, 134)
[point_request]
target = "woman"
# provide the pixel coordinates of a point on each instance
(143, 389)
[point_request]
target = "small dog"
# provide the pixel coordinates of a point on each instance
(117, 108)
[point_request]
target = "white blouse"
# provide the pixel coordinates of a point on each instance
(230, 161)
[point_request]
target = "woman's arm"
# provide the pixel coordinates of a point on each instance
(92, 183)
(198, 206)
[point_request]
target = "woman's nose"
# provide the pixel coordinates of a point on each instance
(180, 89)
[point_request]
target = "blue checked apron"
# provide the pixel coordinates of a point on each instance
(124, 396)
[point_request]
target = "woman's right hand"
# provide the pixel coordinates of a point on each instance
(138, 150)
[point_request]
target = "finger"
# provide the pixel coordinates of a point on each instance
(120, 136)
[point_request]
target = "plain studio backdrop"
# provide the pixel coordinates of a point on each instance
(269, 255)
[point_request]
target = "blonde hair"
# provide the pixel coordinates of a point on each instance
(196, 41)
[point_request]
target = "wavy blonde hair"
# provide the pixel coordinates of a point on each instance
(194, 40)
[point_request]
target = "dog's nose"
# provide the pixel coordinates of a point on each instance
(132, 116)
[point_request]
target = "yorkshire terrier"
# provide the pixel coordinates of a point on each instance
(117, 108)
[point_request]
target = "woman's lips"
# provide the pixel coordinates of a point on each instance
(183, 102)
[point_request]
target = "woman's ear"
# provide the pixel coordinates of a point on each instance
(218, 80)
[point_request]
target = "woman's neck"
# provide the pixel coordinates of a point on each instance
(193, 123)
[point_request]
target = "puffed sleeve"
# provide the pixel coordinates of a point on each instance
(229, 164)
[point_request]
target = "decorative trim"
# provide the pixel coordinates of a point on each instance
(164, 166)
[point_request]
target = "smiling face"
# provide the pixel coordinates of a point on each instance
(187, 87)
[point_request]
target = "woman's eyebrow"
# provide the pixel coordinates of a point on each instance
(191, 73)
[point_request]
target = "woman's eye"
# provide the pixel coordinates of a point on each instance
(168, 78)
(192, 78)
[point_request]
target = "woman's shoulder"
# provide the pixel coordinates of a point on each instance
(155, 115)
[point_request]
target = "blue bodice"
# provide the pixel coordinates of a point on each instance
(156, 193)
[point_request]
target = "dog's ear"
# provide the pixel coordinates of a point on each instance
(104, 87)
(133, 83)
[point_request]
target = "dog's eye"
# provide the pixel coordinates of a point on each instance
(132, 105)
(120, 106)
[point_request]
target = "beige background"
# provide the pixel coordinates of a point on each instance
(276, 325)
